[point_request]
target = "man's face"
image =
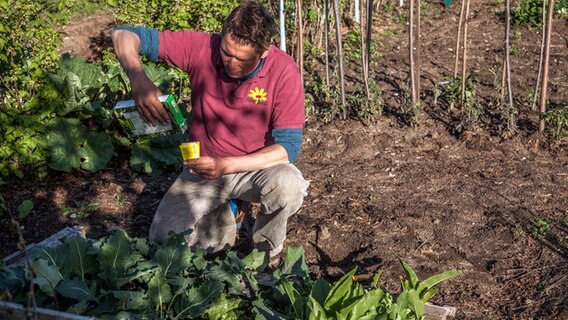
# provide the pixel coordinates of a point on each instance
(239, 60)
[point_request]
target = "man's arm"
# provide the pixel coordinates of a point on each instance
(285, 150)
(145, 93)
(214, 167)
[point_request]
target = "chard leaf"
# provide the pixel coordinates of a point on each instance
(295, 298)
(25, 208)
(79, 308)
(12, 281)
(131, 300)
(194, 303)
(200, 263)
(218, 273)
(78, 262)
(340, 291)
(96, 151)
(55, 256)
(159, 290)
(434, 280)
(415, 304)
(47, 276)
(152, 155)
(174, 256)
(411, 277)
(114, 257)
(181, 283)
(320, 290)
(364, 304)
(225, 309)
(233, 262)
(376, 279)
(75, 289)
(262, 312)
(294, 263)
(317, 311)
(63, 141)
(255, 260)
(141, 244)
(70, 145)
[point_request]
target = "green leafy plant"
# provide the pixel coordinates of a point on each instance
(71, 145)
(119, 276)
(323, 100)
(539, 227)
(469, 109)
(25, 208)
(366, 108)
(81, 210)
(530, 11)
(174, 15)
(557, 122)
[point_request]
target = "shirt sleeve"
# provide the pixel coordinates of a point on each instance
(149, 41)
(290, 139)
(289, 104)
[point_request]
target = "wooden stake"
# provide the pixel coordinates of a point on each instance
(538, 78)
(460, 22)
(544, 88)
(339, 50)
(418, 49)
(411, 51)
(326, 42)
(507, 52)
(300, 46)
(364, 58)
(464, 63)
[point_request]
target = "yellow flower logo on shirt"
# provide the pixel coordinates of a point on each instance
(258, 95)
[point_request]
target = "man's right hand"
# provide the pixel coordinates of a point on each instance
(126, 46)
(145, 95)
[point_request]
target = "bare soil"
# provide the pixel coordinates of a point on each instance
(432, 195)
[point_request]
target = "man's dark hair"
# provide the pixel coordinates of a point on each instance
(250, 24)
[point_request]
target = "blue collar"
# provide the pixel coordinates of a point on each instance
(253, 73)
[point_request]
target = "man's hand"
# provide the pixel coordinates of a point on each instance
(126, 46)
(207, 167)
(146, 95)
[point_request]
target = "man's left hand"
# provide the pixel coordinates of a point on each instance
(207, 167)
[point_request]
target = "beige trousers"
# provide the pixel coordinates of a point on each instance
(199, 208)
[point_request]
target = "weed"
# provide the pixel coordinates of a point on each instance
(518, 231)
(451, 94)
(363, 107)
(514, 50)
(539, 227)
(557, 121)
(120, 200)
(323, 100)
(81, 210)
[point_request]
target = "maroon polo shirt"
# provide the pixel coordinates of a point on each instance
(231, 117)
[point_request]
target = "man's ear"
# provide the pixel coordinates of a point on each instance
(264, 54)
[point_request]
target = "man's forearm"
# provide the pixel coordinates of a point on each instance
(261, 159)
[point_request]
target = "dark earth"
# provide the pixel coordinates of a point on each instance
(431, 194)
